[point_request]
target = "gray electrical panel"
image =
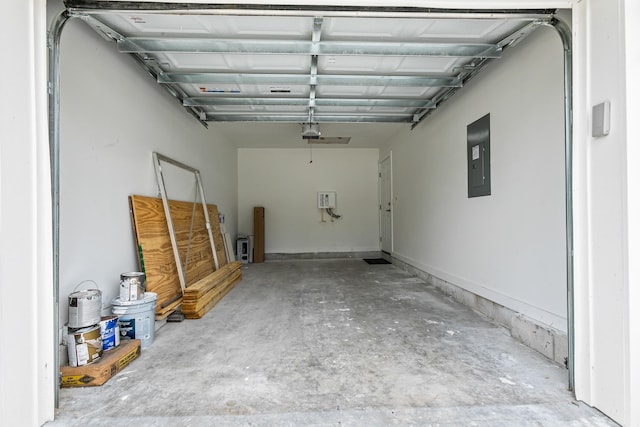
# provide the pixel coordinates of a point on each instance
(478, 158)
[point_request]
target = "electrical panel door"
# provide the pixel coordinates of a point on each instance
(478, 158)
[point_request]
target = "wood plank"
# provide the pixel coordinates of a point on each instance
(203, 285)
(199, 303)
(258, 234)
(155, 251)
(204, 310)
(163, 311)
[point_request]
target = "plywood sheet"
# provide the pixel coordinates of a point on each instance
(231, 256)
(154, 250)
(218, 238)
(156, 253)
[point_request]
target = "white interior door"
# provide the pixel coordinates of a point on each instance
(386, 211)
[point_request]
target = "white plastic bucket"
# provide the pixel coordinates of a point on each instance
(136, 319)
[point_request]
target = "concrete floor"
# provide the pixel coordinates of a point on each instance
(329, 343)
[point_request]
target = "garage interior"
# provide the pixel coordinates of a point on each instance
(242, 122)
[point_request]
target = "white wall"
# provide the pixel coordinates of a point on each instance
(286, 184)
(508, 247)
(632, 53)
(606, 221)
(27, 373)
(113, 117)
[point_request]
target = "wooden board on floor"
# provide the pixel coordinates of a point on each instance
(155, 250)
(202, 286)
(197, 304)
(258, 234)
(203, 295)
(207, 303)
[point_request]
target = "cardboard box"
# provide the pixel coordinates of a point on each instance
(98, 373)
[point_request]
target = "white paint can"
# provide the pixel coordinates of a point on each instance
(132, 286)
(84, 308)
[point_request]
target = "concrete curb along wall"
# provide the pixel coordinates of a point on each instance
(321, 255)
(550, 342)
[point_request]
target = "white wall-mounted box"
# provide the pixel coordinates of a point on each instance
(601, 119)
(326, 200)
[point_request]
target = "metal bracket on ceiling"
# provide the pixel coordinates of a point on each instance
(104, 31)
(313, 74)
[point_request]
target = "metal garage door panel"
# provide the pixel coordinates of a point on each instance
(375, 28)
(400, 92)
(136, 24)
(364, 110)
(259, 109)
(237, 62)
(190, 61)
(213, 89)
(260, 26)
(366, 92)
(386, 64)
(250, 90)
(429, 65)
(350, 91)
(417, 29)
(269, 63)
(327, 64)
(478, 30)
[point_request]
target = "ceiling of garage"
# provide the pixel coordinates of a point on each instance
(312, 64)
